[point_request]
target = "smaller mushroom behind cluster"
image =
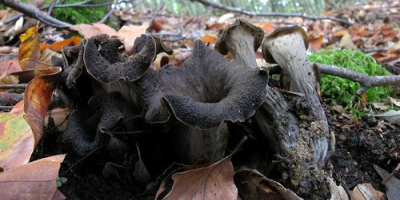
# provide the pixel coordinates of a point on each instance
(241, 39)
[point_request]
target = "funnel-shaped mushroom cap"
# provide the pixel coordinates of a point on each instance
(205, 91)
(108, 69)
(282, 32)
(240, 26)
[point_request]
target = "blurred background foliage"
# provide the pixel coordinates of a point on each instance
(187, 7)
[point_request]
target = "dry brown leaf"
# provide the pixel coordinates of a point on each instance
(90, 30)
(213, 182)
(337, 192)
(35, 180)
(365, 191)
(394, 101)
(129, 33)
(347, 43)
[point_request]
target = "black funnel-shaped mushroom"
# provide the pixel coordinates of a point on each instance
(110, 69)
(242, 39)
(203, 93)
(87, 132)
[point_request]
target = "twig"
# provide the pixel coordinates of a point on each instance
(365, 81)
(13, 86)
(35, 13)
(272, 14)
(7, 98)
(6, 108)
(107, 16)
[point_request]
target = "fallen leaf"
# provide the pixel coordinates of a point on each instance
(209, 39)
(129, 33)
(35, 180)
(380, 106)
(337, 191)
(29, 50)
(203, 181)
(16, 138)
(347, 43)
(316, 42)
(392, 185)
(365, 191)
(392, 116)
(59, 116)
(90, 30)
(254, 185)
(57, 46)
(394, 101)
(213, 182)
(341, 33)
(37, 97)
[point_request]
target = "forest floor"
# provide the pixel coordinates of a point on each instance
(361, 143)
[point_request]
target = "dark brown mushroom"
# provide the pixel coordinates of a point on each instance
(242, 39)
(203, 93)
(132, 69)
(87, 132)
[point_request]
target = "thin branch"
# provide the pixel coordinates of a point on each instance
(365, 80)
(107, 16)
(13, 86)
(272, 14)
(35, 13)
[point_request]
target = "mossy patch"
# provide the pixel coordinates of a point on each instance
(342, 91)
(81, 15)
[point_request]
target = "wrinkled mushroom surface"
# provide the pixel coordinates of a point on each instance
(86, 133)
(205, 91)
(102, 68)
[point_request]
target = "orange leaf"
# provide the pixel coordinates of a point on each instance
(16, 138)
(268, 27)
(316, 42)
(57, 46)
(341, 33)
(35, 180)
(29, 49)
(37, 97)
(209, 39)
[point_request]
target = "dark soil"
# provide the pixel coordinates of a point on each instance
(359, 145)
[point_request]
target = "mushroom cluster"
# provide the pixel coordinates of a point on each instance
(202, 94)
(108, 90)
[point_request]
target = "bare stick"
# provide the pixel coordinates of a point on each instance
(272, 14)
(13, 86)
(35, 13)
(365, 80)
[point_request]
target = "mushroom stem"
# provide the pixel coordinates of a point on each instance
(289, 52)
(193, 144)
(241, 46)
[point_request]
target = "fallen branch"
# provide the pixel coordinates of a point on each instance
(7, 98)
(272, 14)
(35, 13)
(13, 86)
(365, 80)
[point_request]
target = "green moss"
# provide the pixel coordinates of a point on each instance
(81, 15)
(342, 91)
